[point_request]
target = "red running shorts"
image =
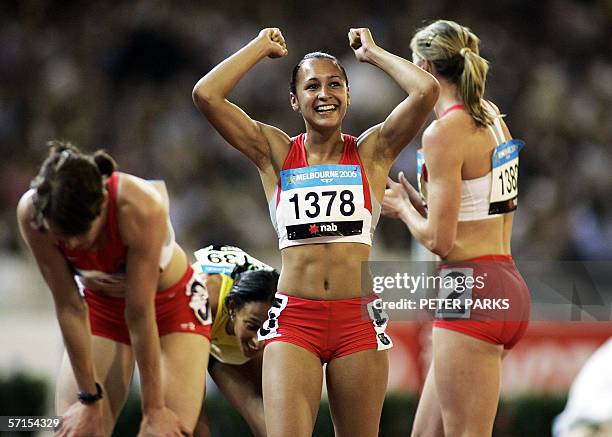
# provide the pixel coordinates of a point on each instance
(172, 310)
(502, 315)
(327, 328)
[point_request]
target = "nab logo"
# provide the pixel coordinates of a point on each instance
(328, 228)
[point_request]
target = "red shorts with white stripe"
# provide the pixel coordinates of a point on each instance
(327, 328)
(500, 302)
(175, 310)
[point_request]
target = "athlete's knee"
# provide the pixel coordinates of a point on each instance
(428, 431)
(464, 426)
(296, 423)
(421, 433)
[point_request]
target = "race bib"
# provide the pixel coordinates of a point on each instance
(420, 162)
(321, 201)
(225, 259)
(504, 181)
(455, 288)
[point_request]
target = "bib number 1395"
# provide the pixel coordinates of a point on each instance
(314, 203)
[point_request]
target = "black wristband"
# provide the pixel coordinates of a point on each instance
(90, 398)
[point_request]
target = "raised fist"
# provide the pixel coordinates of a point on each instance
(275, 42)
(361, 42)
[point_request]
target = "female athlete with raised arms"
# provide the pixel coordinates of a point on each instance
(324, 190)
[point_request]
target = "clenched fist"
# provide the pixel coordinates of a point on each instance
(275, 42)
(361, 42)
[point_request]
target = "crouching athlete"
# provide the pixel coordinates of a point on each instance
(124, 293)
(240, 292)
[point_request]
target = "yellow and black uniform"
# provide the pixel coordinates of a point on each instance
(227, 262)
(224, 346)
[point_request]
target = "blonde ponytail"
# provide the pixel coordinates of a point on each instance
(472, 86)
(453, 51)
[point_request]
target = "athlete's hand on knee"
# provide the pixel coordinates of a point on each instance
(362, 43)
(81, 420)
(274, 42)
(162, 422)
(413, 195)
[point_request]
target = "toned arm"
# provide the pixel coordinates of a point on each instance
(405, 120)
(70, 307)
(437, 231)
(143, 227)
(256, 140)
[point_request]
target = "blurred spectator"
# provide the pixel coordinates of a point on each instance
(121, 78)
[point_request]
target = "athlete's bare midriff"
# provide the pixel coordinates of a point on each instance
(174, 271)
(482, 237)
(329, 271)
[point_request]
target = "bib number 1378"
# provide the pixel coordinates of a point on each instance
(314, 203)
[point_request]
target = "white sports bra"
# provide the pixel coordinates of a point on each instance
(493, 194)
(475, 195)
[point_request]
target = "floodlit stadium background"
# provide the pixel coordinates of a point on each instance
(119, 75)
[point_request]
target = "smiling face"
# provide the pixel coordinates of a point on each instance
(247, 321)
(321, 93)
